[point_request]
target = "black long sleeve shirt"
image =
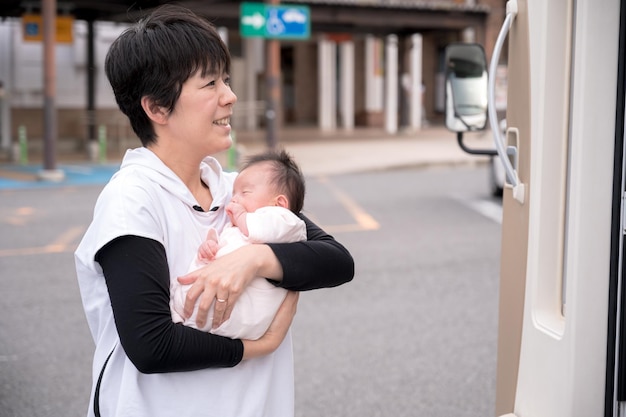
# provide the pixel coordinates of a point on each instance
(137, 278)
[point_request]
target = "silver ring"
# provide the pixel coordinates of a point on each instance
(219, 300)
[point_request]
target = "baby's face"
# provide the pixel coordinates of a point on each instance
(252, 188)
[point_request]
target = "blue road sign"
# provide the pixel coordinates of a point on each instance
(275, 22)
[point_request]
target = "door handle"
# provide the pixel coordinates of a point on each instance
(503, 153)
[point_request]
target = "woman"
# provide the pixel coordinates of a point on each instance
(169, 74)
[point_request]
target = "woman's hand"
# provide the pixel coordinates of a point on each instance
(277, 331)
(224, 280)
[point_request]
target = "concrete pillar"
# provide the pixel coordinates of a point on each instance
(327, 64)
(254, 63)
(391, 84)
(416, 103)
(373, 75)
(347, 85)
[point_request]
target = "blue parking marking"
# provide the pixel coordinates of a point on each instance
(14, 177)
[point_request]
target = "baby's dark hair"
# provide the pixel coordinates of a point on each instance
(288, 178)
(155, 57)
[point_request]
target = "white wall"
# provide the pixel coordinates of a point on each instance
(22, 66)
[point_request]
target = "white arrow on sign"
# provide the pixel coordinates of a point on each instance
(256, 20)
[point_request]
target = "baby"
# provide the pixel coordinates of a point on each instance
(267, 195)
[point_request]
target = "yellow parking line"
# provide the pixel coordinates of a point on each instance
(345, 228)
(64, 243)
(19, 216)
(363, 220)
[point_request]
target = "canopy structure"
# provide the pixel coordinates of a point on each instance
(384, 16)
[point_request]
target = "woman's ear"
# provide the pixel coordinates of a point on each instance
(158, 114)
(282, 201)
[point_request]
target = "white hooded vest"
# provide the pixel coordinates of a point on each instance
(145, 198)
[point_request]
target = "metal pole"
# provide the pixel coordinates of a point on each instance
(272, 79)
(49, 8)
(91, 90)
(2, 121)
(7, 68)
(49, 18)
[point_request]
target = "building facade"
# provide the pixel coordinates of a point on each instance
(366, 64)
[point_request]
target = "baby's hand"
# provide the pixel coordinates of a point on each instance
(234, 211)
(207, 250)
(209, 247)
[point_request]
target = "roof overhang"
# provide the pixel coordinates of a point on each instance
(351, 16)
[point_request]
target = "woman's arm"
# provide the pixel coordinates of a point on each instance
(277, 330)
(320, 262)
(137, 278)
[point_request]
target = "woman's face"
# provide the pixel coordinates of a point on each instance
(201, 116)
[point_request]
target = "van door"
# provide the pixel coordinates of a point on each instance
(557, 268)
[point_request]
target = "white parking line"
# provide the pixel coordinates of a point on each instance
(488, 208)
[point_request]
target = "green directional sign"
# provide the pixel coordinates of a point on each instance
(275, 21)
(252, 23)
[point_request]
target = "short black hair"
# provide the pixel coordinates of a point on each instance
(288, 178)
(156, 55)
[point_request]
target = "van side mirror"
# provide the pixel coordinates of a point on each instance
(466, 92)
(466, 87)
